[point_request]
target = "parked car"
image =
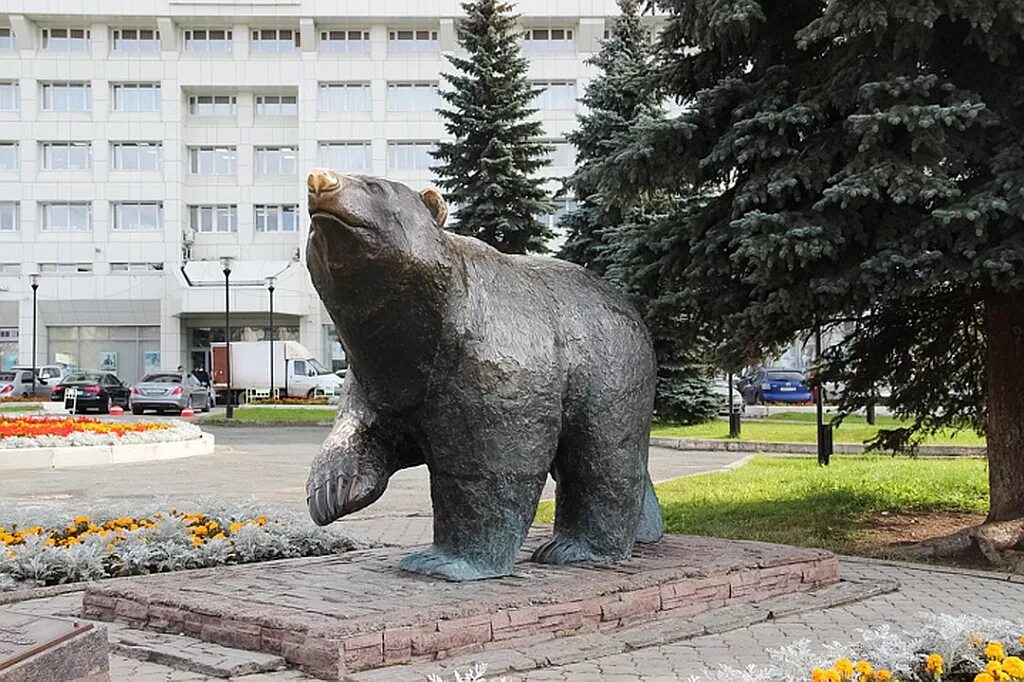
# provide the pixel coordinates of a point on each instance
(17, 383)
(52, 374)
(775, 385)
(720, 386)
(162, 391)
(92, 389)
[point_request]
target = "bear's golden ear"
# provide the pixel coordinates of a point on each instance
(437, 205)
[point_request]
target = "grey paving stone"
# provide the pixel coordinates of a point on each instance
(193, 655)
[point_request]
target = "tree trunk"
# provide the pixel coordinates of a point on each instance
(1004, 327)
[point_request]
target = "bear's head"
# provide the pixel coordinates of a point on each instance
(367, 227)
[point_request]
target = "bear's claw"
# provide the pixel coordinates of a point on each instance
(326, 499)
(435, 562)
(563, 550)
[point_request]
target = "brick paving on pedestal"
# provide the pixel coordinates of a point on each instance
(342, 614)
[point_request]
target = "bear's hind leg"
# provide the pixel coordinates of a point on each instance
(480, 523)
(602, 480)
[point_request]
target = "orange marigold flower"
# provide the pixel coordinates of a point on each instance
(196, 541)
(235, 527)
(984, 677)
(933, 664)
(219, 536)
(201, 530)
(1013, 666)
(817, 675)
(883, 676)
(994, 651)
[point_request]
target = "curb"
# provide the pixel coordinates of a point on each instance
(234, 423)
(802, 448)
(97, 455)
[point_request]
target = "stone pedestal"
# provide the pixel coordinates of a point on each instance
(42, 649)
(342, 614)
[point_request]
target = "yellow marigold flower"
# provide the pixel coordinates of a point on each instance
(196, 541)
(50, 542)
(133, 527)
(212, 525)
(994, 651)
(1021, 640)
(80, 519)
(817, 675)
(261, 520)
(201, 530)
(832, 676)
(984, 677)
(864, 668)
(883, 676)
(72, 541)
(844, 667)
(235, 527)
(1013, 666)
(219, 536)
(933, 664)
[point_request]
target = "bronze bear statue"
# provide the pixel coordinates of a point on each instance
(493, 370)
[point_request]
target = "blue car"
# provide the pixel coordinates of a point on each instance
(775, 385)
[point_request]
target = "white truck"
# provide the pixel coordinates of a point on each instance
(297, 373)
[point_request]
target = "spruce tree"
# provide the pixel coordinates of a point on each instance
(619, 98)
(490, 169)
(860, 162)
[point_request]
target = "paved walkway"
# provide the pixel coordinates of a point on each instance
(270, 465)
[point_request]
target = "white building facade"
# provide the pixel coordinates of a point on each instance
(142, 141)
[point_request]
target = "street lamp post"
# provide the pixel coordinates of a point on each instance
(270, 288)
(34, 279)
(226, 262)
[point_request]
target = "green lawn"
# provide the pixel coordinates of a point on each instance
(794, 501)
(276, 414)
(15, 407)
(780, 429)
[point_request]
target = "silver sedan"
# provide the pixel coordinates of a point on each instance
(170, 391)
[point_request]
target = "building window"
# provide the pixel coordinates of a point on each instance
(549, 40)
(212, 160)
(8, 96)
(561, 208)
(65, 268)
(275, 40)
(136, 156)
(67, 156)
(406, 156)
(277, 218)
(67, 217)
(66, 39)
(137, 97)
(137, 267)
(8, 156)
(345, 41)
(345, 156)
(413, 97)
(413, 41)
(556, 96)
(10, 269)
(138, 216)
(203, 40)
(562, 154)
(67, 97)
(136, 40)
(8, 216)
(6, 39)
(277, 161)
(344, 97)
(213, 218)
(277, 105)
(212, 106)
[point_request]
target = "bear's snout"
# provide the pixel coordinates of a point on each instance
(321, 181)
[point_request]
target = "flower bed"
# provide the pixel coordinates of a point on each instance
(107, 546)
(20, 399)
(43, 431)
(291, 401)
(944, 649)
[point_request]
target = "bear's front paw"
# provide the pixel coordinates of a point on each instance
(435, 562)
(563, 550)
(327, 490)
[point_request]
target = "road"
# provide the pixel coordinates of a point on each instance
(268, 465)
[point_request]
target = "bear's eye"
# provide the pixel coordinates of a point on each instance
(376, 187)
